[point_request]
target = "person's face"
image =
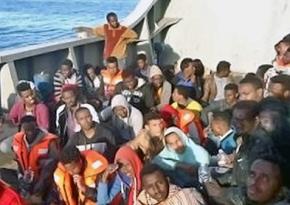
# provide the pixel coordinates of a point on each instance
(112, 68)
(91, 73)
(121, 111)
(225, 73)
(176, 97)
(155, 127)
(28, 97)
(141, 64)
(113, 21)
(231, 96)
(175, 143)
(69, 98)
(85, 120)
(248, 92)
(29, 130)
(130, 82)
(65, 70)
(264, 182)
(286, 58)
(156, 186)
(216, 127)
(281, 49)
(74, 168)
(189, 71)
(125, 167)
(242, 123)
(268, 120)
(276, 90)
(157, 81)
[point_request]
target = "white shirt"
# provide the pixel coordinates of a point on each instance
(220, 85)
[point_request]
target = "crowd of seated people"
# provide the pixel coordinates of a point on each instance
(143, 136)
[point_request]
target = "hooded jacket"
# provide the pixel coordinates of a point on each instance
(170, 161)
(194, 154)
(163, 94)
(128, 187)
(141, 97)
(127, 128)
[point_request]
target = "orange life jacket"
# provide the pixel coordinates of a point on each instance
(27, 158)
(95, 164)
(185, 118)
(110, 82)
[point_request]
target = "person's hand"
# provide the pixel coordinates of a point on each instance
(112, 168)
(24, 185)
(79, 181)
(226, 160)
(34, 199)
(193, 78)
(213, 188)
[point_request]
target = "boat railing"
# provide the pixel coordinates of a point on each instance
(147, 19)
(23, 63)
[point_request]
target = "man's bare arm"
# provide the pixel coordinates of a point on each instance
(83, 29)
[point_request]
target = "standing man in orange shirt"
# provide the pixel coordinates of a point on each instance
(116, 37)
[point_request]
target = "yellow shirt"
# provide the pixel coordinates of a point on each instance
(193, 105)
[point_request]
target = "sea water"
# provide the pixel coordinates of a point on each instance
(30, 22)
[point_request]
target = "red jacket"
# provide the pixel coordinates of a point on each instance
(8, 196)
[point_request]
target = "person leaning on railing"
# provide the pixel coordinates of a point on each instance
(116, 37)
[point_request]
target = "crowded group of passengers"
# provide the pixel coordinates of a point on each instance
(151, 134)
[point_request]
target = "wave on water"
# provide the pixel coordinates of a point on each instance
(30, 22)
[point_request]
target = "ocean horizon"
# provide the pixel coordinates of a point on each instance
(31, 22)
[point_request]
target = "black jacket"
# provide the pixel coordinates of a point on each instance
(141, 97)
(103, 141)
(61, 129)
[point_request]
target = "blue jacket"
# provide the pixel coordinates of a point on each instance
(193, 154)
(108, 191)
(228, 143)
(194, 92)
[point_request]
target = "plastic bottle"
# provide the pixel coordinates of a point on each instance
(204, 173)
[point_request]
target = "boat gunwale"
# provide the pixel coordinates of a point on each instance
(39, 49)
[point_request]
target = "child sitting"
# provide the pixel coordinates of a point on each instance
(222, 131)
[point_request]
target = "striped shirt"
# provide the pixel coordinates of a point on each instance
(59, 80)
